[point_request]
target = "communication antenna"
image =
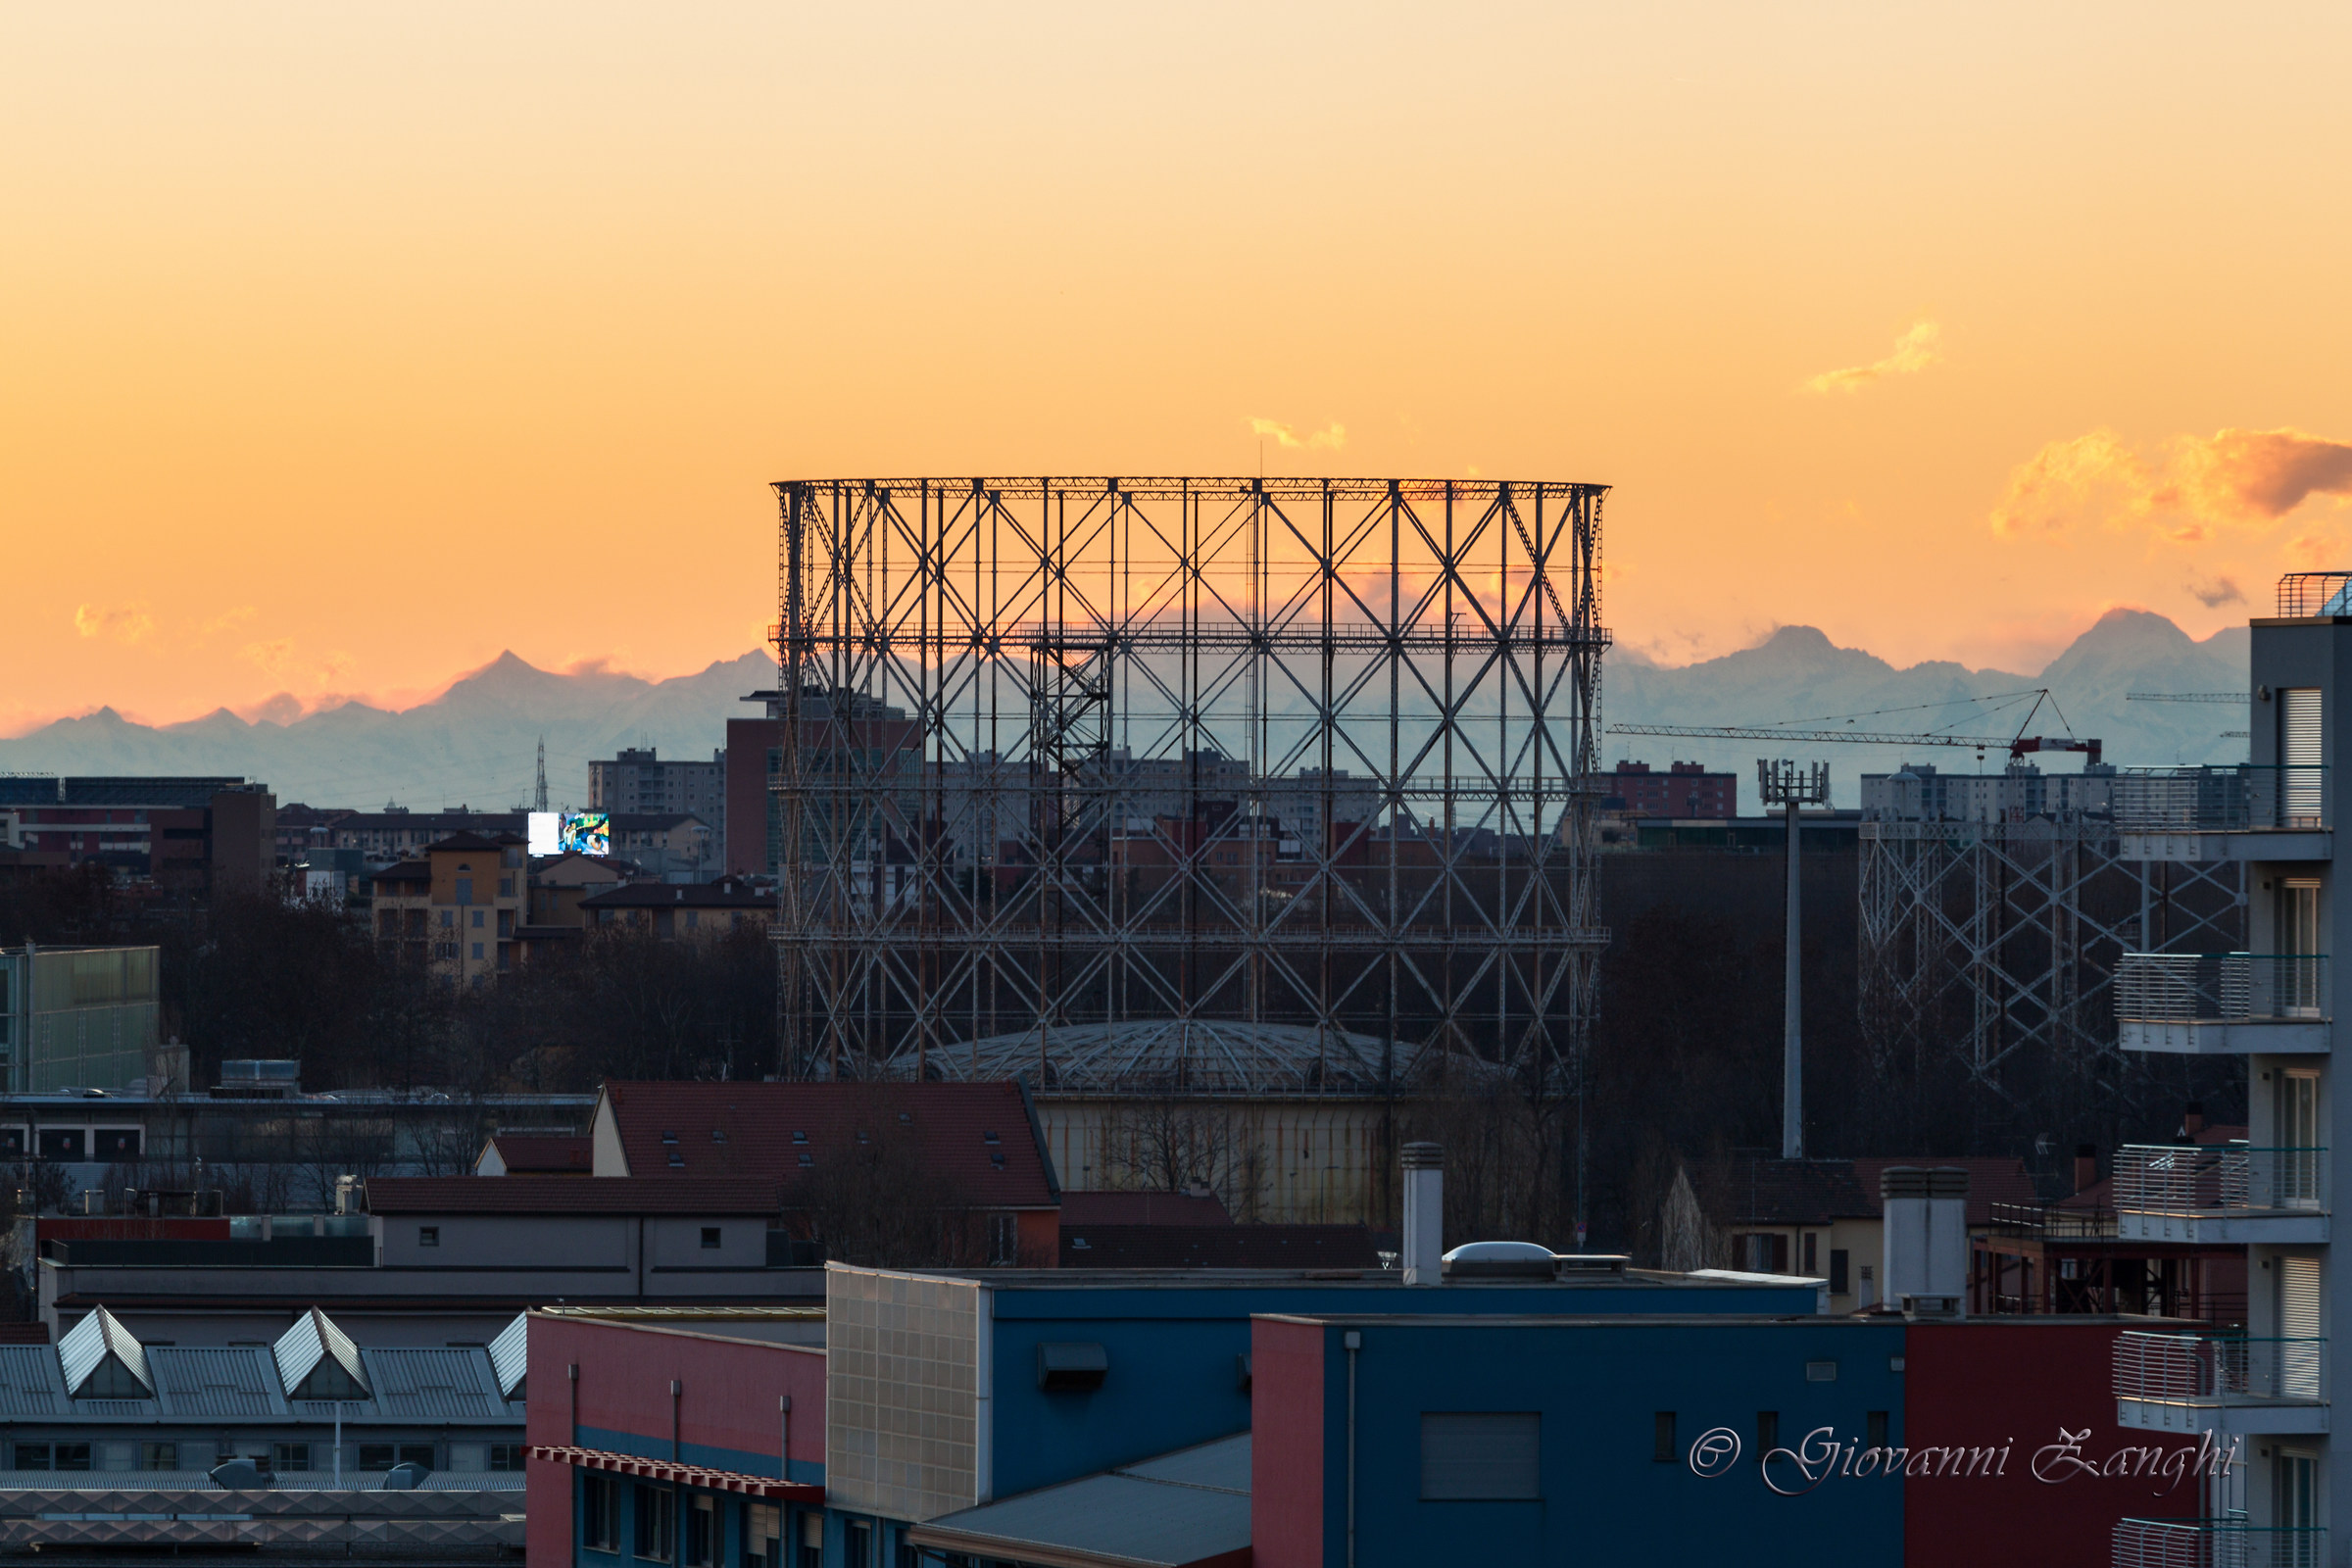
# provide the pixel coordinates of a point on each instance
(1790, 785)
(539, 791)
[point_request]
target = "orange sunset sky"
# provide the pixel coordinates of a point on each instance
(343, 346)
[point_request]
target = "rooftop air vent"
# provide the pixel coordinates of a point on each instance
(1072, 1367)
(1499, 1261)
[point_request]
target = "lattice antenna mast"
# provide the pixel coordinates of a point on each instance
(539, 789)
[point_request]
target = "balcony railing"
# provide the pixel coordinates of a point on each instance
(2305, 594)
(2177, 1179)
(2050, 1223)
(2222, 987)
(2229, 1542)
(2218, 1368)
(2228, 798)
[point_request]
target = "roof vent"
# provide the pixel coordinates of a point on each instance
(1072, 1367)
(1499, 1261)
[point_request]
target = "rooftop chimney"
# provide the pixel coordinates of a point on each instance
(2087, 1167)
(1424, 1213)
(2192, 1118)
(1925, 1267)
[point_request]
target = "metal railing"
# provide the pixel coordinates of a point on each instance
(2305, 594)
(2221, 987)
(2218, 799)
(2218, 1368)
(2050, 1222)
(2204, 1179)
(2227, 1542)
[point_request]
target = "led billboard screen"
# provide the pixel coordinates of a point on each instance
(587, 833)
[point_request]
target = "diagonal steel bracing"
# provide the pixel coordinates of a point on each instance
(1070, 751)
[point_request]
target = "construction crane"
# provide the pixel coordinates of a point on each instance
(2016, 746)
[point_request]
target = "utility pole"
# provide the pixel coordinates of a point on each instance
(1790, 785)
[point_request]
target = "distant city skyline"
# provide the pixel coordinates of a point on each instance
(351, 347)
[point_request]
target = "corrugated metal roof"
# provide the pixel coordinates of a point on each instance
(229, 1380)
(432, 1382)
(316, 1360)
(1179, 1509)
(92, 1351)
(28, 1381)
(510, 1354)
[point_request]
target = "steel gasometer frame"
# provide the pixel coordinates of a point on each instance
(1060, 752)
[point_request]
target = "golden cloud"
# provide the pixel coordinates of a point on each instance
(1330, 438)
(129, 623)
(272, 657)
(2233, 478)
(1913, 353)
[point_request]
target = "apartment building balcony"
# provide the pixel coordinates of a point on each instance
(2224, 1384)
(2232, 811)
(2225, 1194)
(2227, 1542)
(2223, 1003)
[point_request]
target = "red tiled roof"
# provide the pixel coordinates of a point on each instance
(764, 1129)
(1219, 1246)
(1141, 1209)
(525, 1155)
(569, 1194)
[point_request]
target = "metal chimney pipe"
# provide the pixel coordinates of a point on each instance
(1424, 1213)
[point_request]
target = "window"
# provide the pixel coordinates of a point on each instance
(478, 919)
(477, 950)
(506, 1456)
(289, 1456)
(429, 1236)
(858, 1545)
(449, 917)
(600, 1512)
(53, 1457)
(1763, 1252)
(692, 918)
(1468, 1457)
(465, 890)
(1768, 1432)
(812, 1540)
(762, 1535)
(709, 1238)
(1662, 1448)
(385, 1455)
(1003, 1240)
(1837, 1271)
(656, 1524)
(701, 1531)
(506, 887)
(158, 1455)
(1812, 1264)
(114, 1143)
(60, 1143)
(1874, 1429)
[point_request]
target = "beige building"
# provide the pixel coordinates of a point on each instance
(454, 909)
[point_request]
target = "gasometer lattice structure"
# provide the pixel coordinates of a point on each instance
(1296, 761)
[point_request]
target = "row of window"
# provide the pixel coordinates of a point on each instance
(71, 1143)
(282, 1456)
(653, 1529)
